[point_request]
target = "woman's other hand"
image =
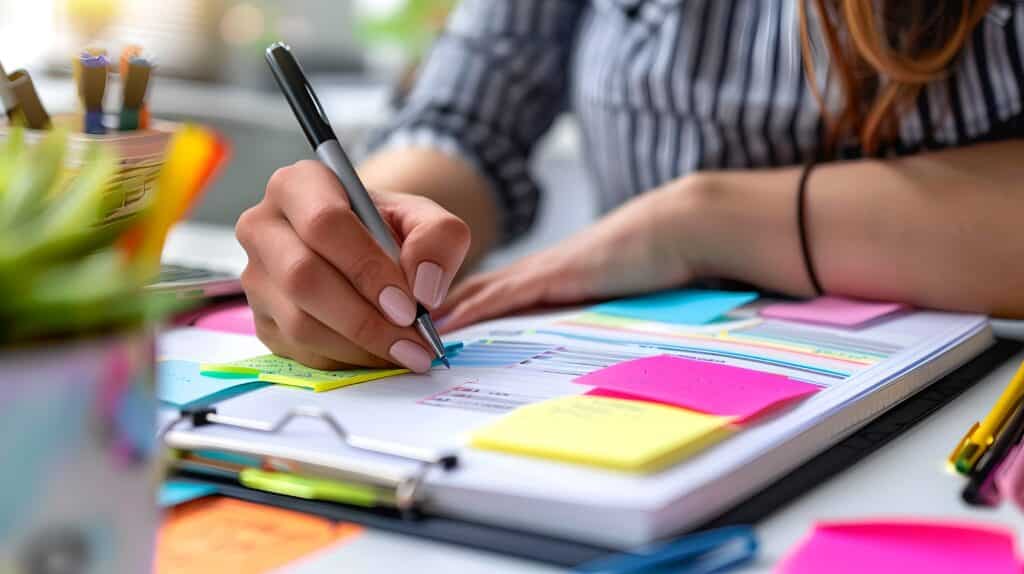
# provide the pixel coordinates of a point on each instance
(641, 247)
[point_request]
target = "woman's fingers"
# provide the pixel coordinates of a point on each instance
(500, 294)
(291, 332)
(313, 201)
(271, 336)
(326, 298)
(434, 244)
(463, 291)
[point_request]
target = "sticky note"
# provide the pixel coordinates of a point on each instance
(897, 547)
(235, 319)
(622, 435)
(274, 369)
(180, 384)
(701, 386)
(175, 492)
(225, 535)
(685, 306)
(829, 310)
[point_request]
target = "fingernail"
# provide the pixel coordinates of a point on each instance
(428, 288)
(410, 355)
(397, 306)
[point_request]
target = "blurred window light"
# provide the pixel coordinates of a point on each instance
(242, 24)
(26, 32)
(181, 35)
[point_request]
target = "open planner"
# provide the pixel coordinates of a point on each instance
(440, 442)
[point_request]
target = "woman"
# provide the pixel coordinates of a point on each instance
(698, 116)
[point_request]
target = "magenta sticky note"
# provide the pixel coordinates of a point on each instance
(829, 310)
(234, 319)
(697, 385)
(903, 547)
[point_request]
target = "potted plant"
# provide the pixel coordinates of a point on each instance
(77, 407)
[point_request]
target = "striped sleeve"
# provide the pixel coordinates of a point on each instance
(491, 87)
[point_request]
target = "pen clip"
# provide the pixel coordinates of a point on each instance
(958, 455)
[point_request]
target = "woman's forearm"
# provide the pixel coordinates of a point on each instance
(940, 229)
(453, 184)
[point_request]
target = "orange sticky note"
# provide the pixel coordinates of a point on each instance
(220, 534)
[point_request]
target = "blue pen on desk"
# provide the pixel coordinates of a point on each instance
(313, 119)
(707, 552)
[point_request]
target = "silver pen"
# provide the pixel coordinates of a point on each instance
(311, 116)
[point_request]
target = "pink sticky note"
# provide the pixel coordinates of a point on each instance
(234, 319)
(831, 311)
(697, 385)
(899, 547)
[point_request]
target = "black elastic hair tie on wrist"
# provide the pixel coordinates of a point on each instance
(801, 221)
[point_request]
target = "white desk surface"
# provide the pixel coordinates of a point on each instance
(906, 478)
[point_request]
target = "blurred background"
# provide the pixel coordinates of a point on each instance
(360, 54)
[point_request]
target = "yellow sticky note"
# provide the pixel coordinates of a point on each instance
(623, 435)
(274, 369)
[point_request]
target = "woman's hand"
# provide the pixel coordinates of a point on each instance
(643, 246)
(323, 292)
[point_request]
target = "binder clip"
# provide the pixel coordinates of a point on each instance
(402, 491)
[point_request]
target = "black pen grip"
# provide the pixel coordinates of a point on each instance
(300, 96)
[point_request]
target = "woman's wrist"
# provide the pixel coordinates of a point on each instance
(740, 225)
(682, 215)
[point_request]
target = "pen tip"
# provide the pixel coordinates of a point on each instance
(447, 364)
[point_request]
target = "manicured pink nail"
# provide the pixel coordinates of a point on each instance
(428, 287)
(397, 306)
(411, 356)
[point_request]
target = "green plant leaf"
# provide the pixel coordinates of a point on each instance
(32, 179)
(71, 222)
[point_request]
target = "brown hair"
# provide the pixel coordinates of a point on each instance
(882, 55)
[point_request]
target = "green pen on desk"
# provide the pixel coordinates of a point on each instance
(309, 488)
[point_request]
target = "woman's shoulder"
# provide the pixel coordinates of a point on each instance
(980, 99)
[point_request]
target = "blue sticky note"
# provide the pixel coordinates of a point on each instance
(683, 307)
(450, 350)
(174, 492)
(180, 384)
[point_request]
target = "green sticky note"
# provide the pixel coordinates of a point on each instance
(684, 306)
(308, 488)
(274, 369)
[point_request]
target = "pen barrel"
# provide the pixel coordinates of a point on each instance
(135, 82)
(331, 154)
(94, 85)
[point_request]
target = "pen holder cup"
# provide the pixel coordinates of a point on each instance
(80, 465)
(140, 156)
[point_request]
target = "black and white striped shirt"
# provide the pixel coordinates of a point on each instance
(663, 88)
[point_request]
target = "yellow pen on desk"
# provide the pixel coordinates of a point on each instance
(981, 435)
